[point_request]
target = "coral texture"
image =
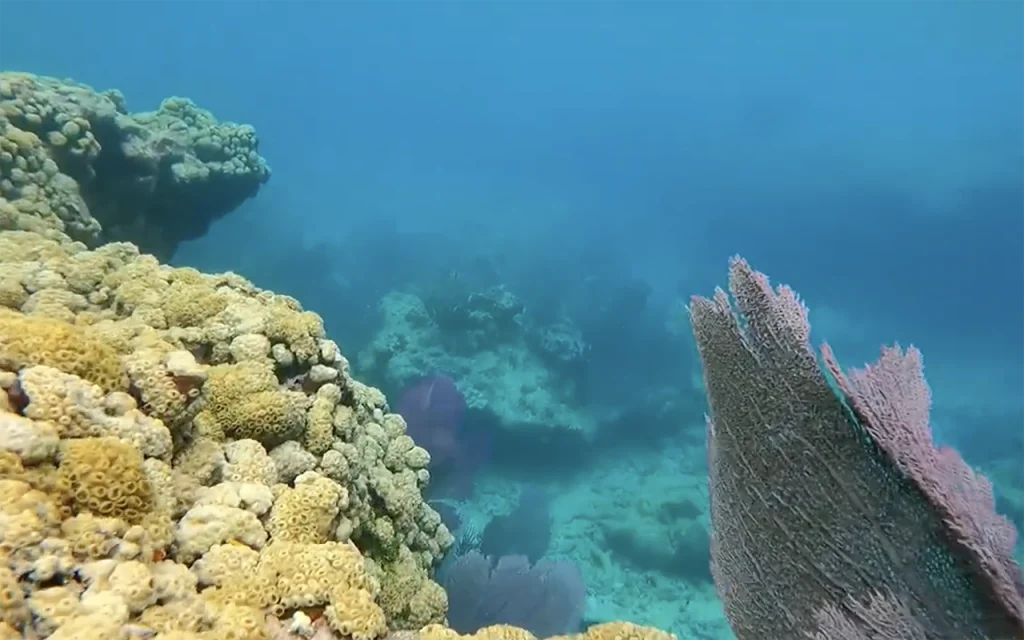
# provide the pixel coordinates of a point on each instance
(147, 446)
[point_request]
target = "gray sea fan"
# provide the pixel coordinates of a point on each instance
(546, 598)
(829, 500)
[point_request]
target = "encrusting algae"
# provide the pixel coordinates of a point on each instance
(184, 456)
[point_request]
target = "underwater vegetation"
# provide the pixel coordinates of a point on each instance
(545, 597)
(500, 576)
(834, 516)
(526, 531)
(434, 410)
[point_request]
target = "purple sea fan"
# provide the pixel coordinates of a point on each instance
(547, 599)
(433, 408)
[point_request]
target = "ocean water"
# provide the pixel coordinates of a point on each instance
(524, 196)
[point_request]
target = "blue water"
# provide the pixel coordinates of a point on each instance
(602, 160)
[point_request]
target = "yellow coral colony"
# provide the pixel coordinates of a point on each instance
(184, 456)
(143, 486)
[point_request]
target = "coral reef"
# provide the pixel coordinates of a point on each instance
(630, 522)
(474, 322)
(499, 368)
(190, 463)
(184, 456)
(76, 160)
(220, 475)
(528, 375)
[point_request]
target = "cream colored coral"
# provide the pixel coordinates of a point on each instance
(131, 581)
(206, 525)
(26, 341)
(247, 461)
(161, 479)
(178, 618)
(52, 561)
(13, 607)
(399, 491)
(625, 631)
(346, 423)
(246, 402)
(90, 626)
(408, 596)
(394, 425)
(84, 271)
(291, 460)
(166, 382)
(320, 419)
(398, 449)
(320, 374)
(238, 622)
(53, 304)
(191, 304)
(283, 357)
(102, 604)
(307, 573)
(300, 330)
(329, 351)
(335, 466)
(93, 538)
(207, 498)
(32, 441)
(203, 460)
(79, 409)
(172, 581)
(224, 563)
(369, 401)
(51, 607)
(250, 346)
(256, 498)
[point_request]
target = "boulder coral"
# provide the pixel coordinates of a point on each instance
(77, 160)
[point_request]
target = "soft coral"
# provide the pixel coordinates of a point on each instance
(834, 516)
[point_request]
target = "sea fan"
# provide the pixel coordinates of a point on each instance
(546, 598)
(433, 408)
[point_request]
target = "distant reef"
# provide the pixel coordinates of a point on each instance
(76, 160)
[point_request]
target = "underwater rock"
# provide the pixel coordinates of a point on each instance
(524, 532)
